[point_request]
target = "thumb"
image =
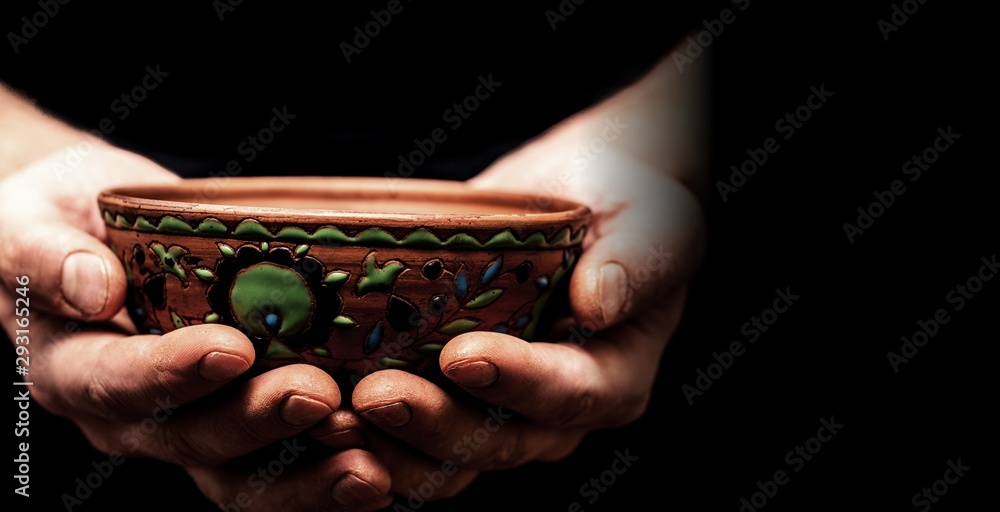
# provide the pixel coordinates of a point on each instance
(71, 273)
(639, 254)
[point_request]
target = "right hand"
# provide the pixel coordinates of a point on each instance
(88, 365)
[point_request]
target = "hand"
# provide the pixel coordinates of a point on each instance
(171, 397)
(627, 295)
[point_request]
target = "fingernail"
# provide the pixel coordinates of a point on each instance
(393, 415)
(611, 287)
(300, 410)
(476, 374)
(84, 282)
(220, 366)
(350, 490)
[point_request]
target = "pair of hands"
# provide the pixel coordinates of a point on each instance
(395, 429)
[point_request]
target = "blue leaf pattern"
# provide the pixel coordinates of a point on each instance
(492, 270)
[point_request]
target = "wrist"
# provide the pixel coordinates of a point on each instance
(27, 134)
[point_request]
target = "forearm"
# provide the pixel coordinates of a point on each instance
(27, 133)
(663, 119)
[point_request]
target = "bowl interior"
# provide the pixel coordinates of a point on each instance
(320, 196)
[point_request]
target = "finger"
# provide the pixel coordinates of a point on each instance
(410, 470)
(352, 480)
(423, 415)
(639, 250)
(72, 274)
(272, 406)
(417, 477)
(342, 430)
(602, 381)
(115, 377)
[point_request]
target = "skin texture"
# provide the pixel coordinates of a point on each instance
(527, 401)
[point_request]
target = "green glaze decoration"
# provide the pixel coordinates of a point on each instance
(430, 348)
(277, 350)
(226, 250)
(331, 235)
(390, 362)
(269, 299)
(204, 274)
(459, 326)
(378, 278)
(141, 222)
(344, 322)
(212, 226)
(170, 259)
(252, 228)
(485, 298)
(177, 320)
(175, 225)
(337, 277)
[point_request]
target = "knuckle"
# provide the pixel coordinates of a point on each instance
(106, 403)
(576, 409)
(165, 378)
(179, 448)
(509, 451)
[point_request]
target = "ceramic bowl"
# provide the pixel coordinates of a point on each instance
(349, 274)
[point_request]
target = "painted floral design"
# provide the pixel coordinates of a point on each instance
(363, 310)
(458, 305)
(274, 295)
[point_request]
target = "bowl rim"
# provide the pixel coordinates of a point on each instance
(141, 199)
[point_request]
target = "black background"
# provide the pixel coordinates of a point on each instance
(827, 356)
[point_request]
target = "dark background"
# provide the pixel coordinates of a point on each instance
(782, 229)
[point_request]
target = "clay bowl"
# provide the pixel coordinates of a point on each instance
(349, 274)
